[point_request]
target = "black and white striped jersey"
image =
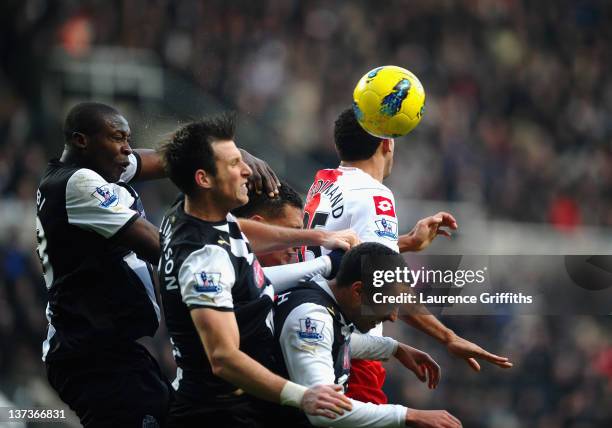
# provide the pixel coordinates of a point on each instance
(210, 265)
(100, 294)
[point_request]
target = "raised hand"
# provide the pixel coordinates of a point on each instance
(428, 228)
(423, 366)
(342, 239)
(459, 347)
(263, 178)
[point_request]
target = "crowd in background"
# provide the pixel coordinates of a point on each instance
(519, 100)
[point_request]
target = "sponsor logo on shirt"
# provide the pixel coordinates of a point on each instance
(106, 196)
(311, 331)
(386, 229)
(384, 206)
(208, 282)
(258, 273)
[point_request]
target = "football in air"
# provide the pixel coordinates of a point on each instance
(389, 101)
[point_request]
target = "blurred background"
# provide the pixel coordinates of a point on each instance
(516, 142)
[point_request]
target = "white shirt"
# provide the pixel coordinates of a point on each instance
(347, 197)
(310, 363)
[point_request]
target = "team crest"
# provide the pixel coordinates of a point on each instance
(106, 196)
(311, 331)
(208, 282)
(386, 229)
(149, 422)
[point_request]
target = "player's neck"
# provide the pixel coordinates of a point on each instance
(200, 207)
(372, 167)
(70, 157)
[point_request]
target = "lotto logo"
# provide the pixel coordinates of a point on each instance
(384, 206)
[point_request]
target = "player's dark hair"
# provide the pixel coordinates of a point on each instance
(263, 205)
(87, 118)
(377, 256)
(190, 149)
(352, 142)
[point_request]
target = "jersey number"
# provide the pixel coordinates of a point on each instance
(318, 220)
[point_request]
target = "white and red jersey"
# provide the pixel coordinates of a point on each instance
(345, 198)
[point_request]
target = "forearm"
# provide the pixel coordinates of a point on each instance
(365, 415)
(152, 166)
(367, 347)
(286, 276)
(264, 237)
(407, 242)
(430, 325)
(247, 374)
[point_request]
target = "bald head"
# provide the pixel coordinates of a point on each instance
(87, 118)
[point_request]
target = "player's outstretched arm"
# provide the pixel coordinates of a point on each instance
(431, 419)
(221, 339)
(455, 345)
(426, 230)
(368, 347)
(265, 237)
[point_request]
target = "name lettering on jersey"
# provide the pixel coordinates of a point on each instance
(386, 229)
(282, 298)
(168, 267)
(40, 201)
(384, 206)
(106, 196)
(329, 189)
(311, 330)
(208, 282)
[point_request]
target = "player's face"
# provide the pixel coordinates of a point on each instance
(389, 158)
(366, 316)
(232, 175)
(107, 152)
(368, 319)
(289, 217)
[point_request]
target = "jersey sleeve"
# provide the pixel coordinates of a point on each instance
(284, 277)
(206, 278)
(133, 169)
(373, 217)
(96, 205)
(309, 362)
(368, 347)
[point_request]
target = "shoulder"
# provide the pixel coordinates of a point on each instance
(308, 322)
(83, 180)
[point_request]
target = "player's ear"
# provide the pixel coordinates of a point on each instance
(257, 217)
(79, 140)
(356, 289)
(388, 144)
(203, 179)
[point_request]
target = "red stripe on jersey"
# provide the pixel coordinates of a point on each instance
(323, 179)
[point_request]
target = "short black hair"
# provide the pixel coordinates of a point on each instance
(190, 149)
(353, 143)
(262, 204)
(87, 118)
(352, 265)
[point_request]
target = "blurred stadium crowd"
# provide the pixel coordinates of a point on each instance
(517, 121)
